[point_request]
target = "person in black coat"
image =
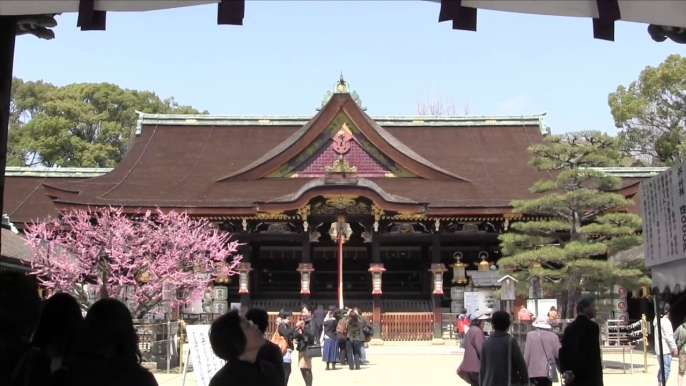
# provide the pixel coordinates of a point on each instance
(580, 356)
(270, 352)
(238, 341)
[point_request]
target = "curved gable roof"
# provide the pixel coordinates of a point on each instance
(392, 147)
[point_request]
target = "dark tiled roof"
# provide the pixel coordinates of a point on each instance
(485, 278)
(14, 246)
(187, 166)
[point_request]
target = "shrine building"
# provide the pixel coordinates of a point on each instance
(406, 196)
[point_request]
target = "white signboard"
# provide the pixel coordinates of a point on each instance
(663, 204)
(205, 363)
(471, 302)
(544, 306)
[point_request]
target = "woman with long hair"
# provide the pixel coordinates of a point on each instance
(57, 327)
(354, 340)
(107, 351)
(306, 337)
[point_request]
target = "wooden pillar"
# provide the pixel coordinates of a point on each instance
(436, 299)
(306, 259)
(8, 30)
(376, 298)
(246, 251)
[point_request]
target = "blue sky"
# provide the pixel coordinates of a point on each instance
(394, 54)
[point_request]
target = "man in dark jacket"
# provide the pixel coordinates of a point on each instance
(580, 356)
(319, 315)
(270, 352)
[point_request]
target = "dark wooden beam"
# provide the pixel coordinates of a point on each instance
(8, 34)
(230, 12)
(89, 19)
(604, 25)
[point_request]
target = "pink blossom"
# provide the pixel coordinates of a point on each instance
(131, 257)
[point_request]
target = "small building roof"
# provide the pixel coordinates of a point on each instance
(14, 246)
(485, 278)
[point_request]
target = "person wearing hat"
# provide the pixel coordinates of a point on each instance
(473, 341)
(580, 357)
(541, 353)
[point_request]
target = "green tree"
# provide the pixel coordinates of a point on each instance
(78, 125)
(578, 220)
(651, 113)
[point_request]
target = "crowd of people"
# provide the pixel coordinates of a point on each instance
(577, 357)
(337, 336)
(50, 342)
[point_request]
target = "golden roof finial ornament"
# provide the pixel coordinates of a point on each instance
(342, 86)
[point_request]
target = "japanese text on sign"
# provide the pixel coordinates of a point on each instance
(663, 201)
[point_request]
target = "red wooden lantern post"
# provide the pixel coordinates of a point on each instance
(244, 284)
(376, 270)
(437, 269)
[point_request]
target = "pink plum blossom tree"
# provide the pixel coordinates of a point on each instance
(145, 260)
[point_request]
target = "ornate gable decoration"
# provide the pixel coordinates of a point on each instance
(341, 149)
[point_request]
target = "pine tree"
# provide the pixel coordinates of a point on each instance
(577, 220)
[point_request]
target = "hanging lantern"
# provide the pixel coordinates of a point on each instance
(437, 270)
(143, 276)
(376, 269)
(305, 270)
(645, 291)
(244, 278)
(483, 265)
(459, 274)
(222, 277)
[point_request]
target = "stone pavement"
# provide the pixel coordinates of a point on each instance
(435, 366)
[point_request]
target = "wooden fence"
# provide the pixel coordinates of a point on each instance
(402, 326)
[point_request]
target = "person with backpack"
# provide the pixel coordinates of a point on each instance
(270, 351)
(283, 337)
(462, 326)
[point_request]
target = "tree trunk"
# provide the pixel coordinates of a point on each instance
(574, 234)
(572, 286)
(104, 294)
